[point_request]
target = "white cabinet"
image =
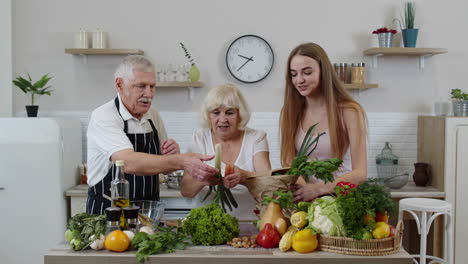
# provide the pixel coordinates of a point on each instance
(443, 143)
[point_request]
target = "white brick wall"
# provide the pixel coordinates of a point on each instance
(400, 129)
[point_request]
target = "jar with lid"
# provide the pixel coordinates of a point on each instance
(131, 218)
(357, 73)
(343, 71)
(113, 219)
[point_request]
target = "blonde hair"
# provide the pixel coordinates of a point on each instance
(336, 99)
(228, 95)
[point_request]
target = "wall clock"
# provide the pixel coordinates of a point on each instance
(249, 58)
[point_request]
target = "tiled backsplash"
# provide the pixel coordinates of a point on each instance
(400, 129)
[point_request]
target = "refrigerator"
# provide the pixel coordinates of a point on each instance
(39, 160)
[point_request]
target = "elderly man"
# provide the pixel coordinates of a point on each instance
(127, 128)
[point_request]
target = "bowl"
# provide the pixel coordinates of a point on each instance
(174, 178)
(397, 181)
(151, 210)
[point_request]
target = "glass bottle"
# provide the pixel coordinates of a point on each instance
(120, 189)
(113, 219)
(131, 218)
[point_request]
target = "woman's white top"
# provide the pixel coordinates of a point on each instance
(254, 141)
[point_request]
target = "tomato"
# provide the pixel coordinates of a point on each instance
(268, 237)
(117, 241)
(304, 241)
(368, 219)
(381, 217)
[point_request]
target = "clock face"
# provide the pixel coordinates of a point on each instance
(249, 58)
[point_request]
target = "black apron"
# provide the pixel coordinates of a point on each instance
(141, 187)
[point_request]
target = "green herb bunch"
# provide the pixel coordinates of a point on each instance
(33, 88)
(366, 199)
(458, 94)
(163, 241)
(210, 225)
(83, 226)
(322, 170)
(187, 54)
(283, 198)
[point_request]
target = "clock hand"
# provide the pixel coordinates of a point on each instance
(248, 59)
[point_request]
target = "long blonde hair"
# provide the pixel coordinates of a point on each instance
(336, 100)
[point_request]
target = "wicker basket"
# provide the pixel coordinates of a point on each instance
(365, 247)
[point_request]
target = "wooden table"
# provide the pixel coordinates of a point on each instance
(217, 254)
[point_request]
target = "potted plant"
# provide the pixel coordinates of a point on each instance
(409, 33)
(37, 88)
(194, 72)
(385, 36)
(460, 102)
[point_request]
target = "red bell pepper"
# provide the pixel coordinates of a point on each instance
(342, 188)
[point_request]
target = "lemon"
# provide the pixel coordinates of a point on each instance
(299, 219)
(381, 230)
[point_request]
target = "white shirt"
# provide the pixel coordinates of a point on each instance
(106, 136)
(254, 141)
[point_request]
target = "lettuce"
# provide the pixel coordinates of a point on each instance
(210, 225)
(324, 217)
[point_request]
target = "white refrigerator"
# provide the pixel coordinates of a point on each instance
(39, 160)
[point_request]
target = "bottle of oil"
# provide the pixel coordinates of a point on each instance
(120, 190)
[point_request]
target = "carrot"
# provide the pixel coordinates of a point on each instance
(229, 169)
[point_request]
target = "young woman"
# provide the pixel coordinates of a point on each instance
(314, 94)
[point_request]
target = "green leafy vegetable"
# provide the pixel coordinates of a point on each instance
(366, 199)
(324, 217)
(322, 170)
(283, 198)
(210, 225)
(163, 241)
(82, 227)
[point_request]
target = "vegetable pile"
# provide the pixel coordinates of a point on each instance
(210, 225)
(84, 229)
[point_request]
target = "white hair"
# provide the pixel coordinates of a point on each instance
(228, 95)
(132, 63)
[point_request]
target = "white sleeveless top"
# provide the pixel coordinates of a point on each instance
(254, 141)
(324, 151)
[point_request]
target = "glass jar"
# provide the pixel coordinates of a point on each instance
(357, 73)
(343, 71)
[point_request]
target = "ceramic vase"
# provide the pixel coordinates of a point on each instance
(194, 73)
(410, 36)
(422, 174)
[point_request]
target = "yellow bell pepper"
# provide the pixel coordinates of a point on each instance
(304, 241)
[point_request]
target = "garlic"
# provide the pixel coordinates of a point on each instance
(130, 234)
(148, 230)
(98, 243)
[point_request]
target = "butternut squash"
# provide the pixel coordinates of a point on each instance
(274, 215)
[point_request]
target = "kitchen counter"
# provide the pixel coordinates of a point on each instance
(218, 254)
(82, 191)
(410, 190)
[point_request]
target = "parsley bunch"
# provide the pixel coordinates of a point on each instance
(366, 199)
(164, 241)
(83, 226)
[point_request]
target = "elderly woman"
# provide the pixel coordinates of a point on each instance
(224, 117)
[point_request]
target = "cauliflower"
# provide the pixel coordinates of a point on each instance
(324, 217)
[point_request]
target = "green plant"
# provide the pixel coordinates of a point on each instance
(458, 94)
(410, 13)
(187, 54)
(36, 88)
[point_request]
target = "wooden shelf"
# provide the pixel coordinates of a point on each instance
(404, 51)
(360, 85)
(422, 53)
(104, 51)
(180, 84)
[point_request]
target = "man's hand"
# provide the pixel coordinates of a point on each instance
(193, 165)
(170, 147)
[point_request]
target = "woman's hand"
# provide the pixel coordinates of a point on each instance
(307, 192)
(233, 176)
